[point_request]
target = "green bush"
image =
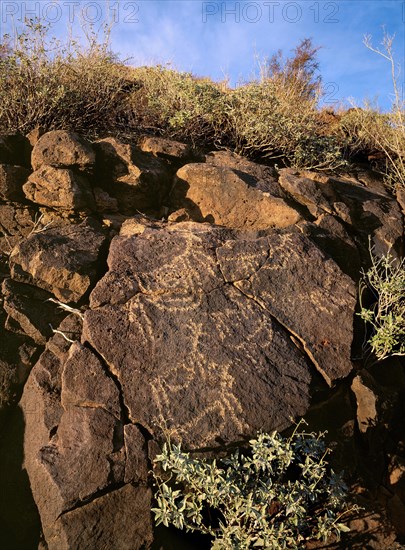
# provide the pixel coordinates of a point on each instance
(386, 281)
(175, 104)
(277, 494)
(259, 119)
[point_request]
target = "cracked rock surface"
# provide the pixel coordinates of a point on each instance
(207, 331)
(186, 319)
(62, 260)
(304, 291)
(59, 188)
(136, 179)
(184, 334)
(231, 197)
(86, 471)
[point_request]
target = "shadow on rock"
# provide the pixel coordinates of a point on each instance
(19, 520)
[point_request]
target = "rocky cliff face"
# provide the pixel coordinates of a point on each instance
(148, 290)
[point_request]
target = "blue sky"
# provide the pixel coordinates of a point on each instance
(225, 39)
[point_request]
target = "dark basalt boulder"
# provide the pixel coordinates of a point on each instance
(12, 179)
(87, 469)
(224, 196)
(63, 260)
(137, 179)
(59, 188)
(190, 312)
(62, 149)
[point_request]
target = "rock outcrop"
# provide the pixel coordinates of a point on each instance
(63, 260)
(82, 478)
(149, 289)
(62, 149)
(221, 195)
(59, 188)
(12, 179)
(138, 180)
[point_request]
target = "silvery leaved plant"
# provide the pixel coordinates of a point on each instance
(386, 316)
(278, 493)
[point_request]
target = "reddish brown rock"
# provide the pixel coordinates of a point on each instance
(120, 519)
(104, 202)
(211, 362)
(167, 149)
(181, 215)
(35, 135)
(400, 194)
(16, 355)
(366, 211)
(305, 291)
(363, 388)
(331, 236)
(229, 197)
(16, 223)
(136, 466)
(259, 176)
(88, 387)
(305, 191)
(80, 460)
(138, 180)
(62, 260)
(29, 311)
(59, 188)
(62, 149)
(77, 454)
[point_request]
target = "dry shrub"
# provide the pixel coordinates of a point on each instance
(67, 86)
(274, 119)
(46, 83)
(380, 135)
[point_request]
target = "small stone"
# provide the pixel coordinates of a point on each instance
(166, 148)
(181, 215)
(35, 134)
(366, 401)
(396, 471)
(104, 202)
